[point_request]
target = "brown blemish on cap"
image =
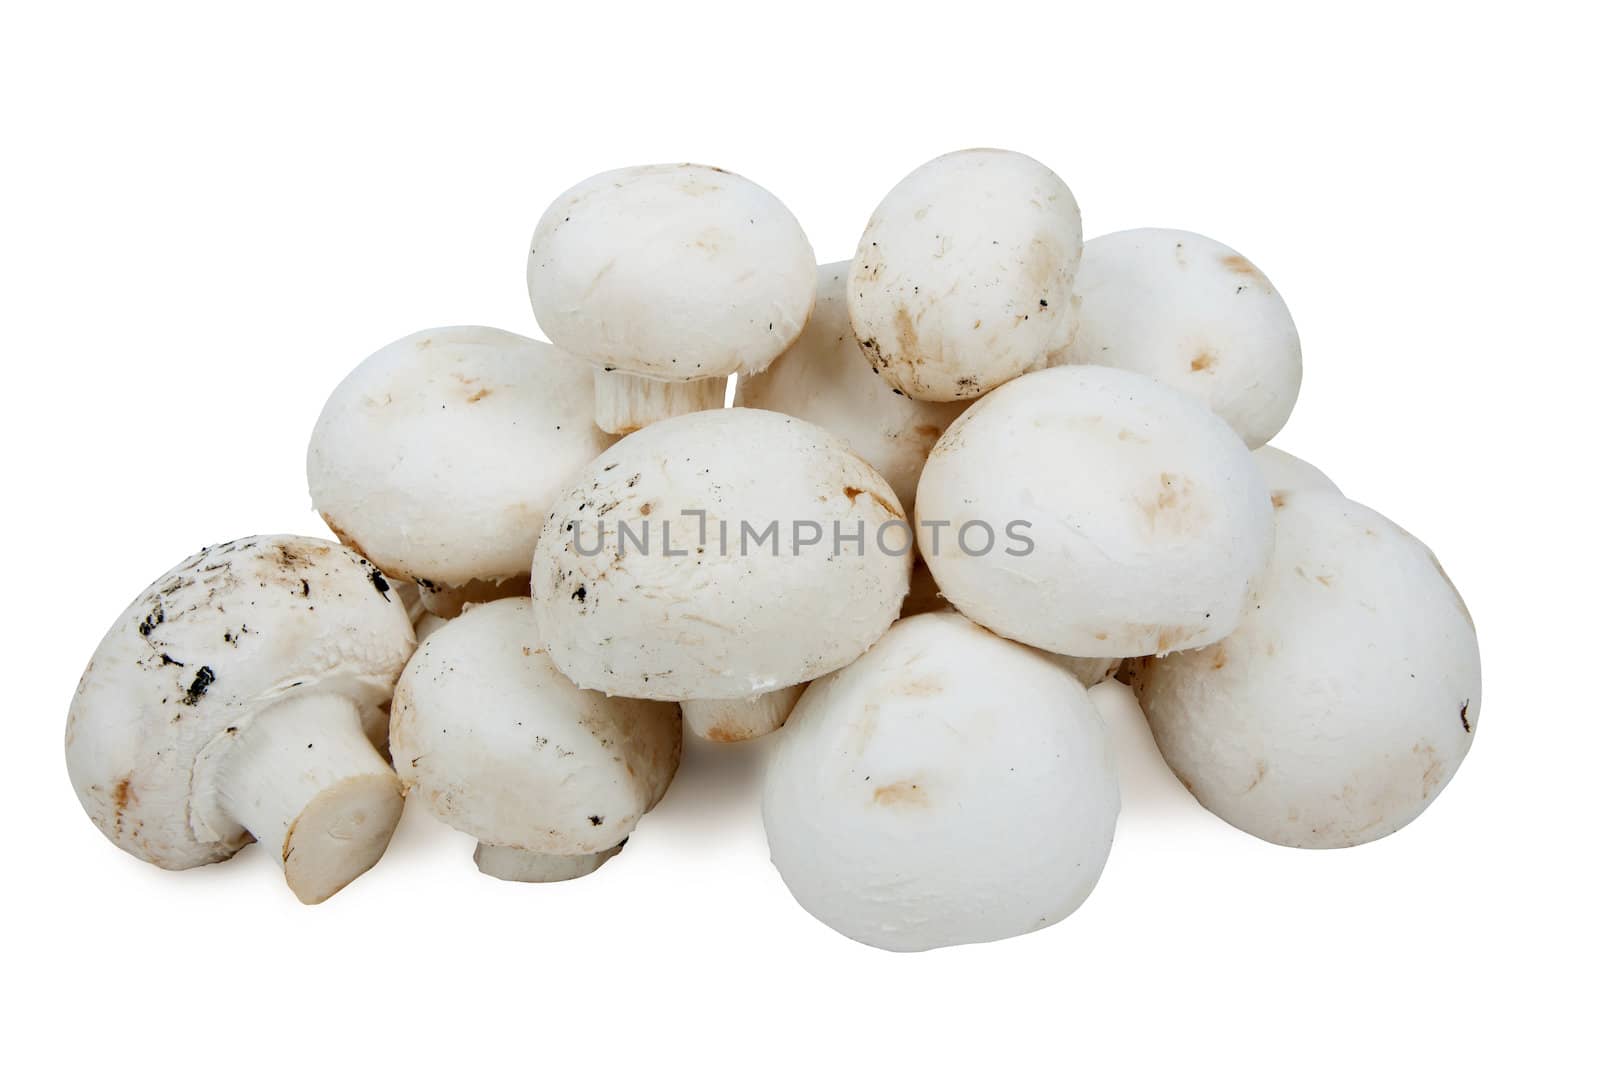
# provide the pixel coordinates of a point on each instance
(1279, 500)
(1219, 659)
(1466, 724)
(1204, 361)
(479, 395)
(1239, 265)
(121, 796)
(851, 492)
(922, 687)
(900, 794)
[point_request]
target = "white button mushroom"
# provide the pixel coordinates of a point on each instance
(963, 277)
(823, 379)
(438, 457)
(1285, 473)
(719, 556)
(549, 778)
(1344, 702)
(228, 704)
(947, 787)
(1095, 513)
(668, 279)
(1195, 314)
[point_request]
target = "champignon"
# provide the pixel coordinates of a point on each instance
(228, 704)
(823, 379)
(550, 779)
(728, 721)
(668, 279)
(1095, 513)
(963, 277)
(1343, 703)
(1282, 471)
(947, 787)
(1195, 314)
(438, 456)
(719, 556)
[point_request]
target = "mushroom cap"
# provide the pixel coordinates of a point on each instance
(438, 456)
(963, 277)
(209, 644)
(1148, 519)
(1284, 472)
(500, 745)
(1342, 705)
(1193, 313)
(674, 272)
(823, 379)
(947, 787)
(708, 622)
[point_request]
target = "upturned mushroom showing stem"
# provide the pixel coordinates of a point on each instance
(668, 279)
(239, 698)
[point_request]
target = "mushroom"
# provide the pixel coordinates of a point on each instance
(239, 698)
(963, 277)
(1193, 313)
(741, 720)
(668, 279)
(1095, 513)
(1282, 472)
(438, 456)
(550, 779)
(947, 787)
(1343, 703)
(719, 556)
(823, 379)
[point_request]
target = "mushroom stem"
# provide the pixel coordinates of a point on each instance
(524, 865)
(448, 601)
(624, 403)
(309, 786)
(740, 719)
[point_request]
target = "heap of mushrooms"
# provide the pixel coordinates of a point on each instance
(969, 477)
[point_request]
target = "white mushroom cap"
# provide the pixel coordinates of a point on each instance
(1147, 518)
(947, 787)
(1286, 473)
(674, 273)
(823, 379)
(228, 701)
(438, 456)
(963, 278)
(1343, 703)
(500, 745)
(686, 618)
(1195, 314)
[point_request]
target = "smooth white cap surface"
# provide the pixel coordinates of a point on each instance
(499, 744)
(1195, 314)
(438, 456)
(963, 277)
(1283, 472)
(719, 618)
(947, 787)
(1147, 518)
(1346, 699)
(674, 272)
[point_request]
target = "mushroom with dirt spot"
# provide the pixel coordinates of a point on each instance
(1094, 513)
(823, 379)
(1343, 703)
(668, 279)
(947, 787)
(1193, 313)
(240, 697)
(963, 277)
(438, 456)
(719, 556)
(551, 779)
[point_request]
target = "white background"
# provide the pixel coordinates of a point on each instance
(211, 213)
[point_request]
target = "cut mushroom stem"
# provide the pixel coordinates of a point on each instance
(624, 402)
(740, 719)
(524, 865)
(448, 601)
(308, 785)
